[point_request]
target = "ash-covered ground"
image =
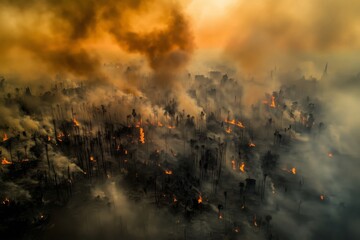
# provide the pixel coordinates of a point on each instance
(85, 162)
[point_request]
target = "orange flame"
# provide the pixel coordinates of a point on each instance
(171, 127)
(168, 172)
(330, 155)
(159, 124)
(251, 144)
(49, 138)
(220, 215)
(5, 138)
(293, 170)
(200, 199)
(233, 122)
(273, 105)
(233, 164)
(92, 159)
(322, 197)
(242, 167)
(59, 136)
(76, 123)
(228, 130)
(175, 199)
(4, 161)
(142, 136)
(255, 223)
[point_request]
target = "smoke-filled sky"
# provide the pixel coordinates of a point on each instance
(77, 37)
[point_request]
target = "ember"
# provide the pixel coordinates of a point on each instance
(242, 167)
(293, 171)
(322, 197)
(199, 199)
(76, 123)
(4, 161)
(142, 136)
(273, 105)
(168, 172)
(5, 138)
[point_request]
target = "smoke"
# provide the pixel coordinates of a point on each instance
(59, 36)
(287, 34)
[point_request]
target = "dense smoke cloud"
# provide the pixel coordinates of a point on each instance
(59, 34)
(263, 34)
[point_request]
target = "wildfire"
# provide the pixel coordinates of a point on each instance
(48, 138)
(168, 172)
(235, 123)
(330, 155)
(293, 170)
(171, 127)
(76, 123)
(200, 199)
(159, 124)
(228, 130)
(273, 105)
(4, 161)
(242, 167)
(322, 197)
(92, 159)
(5, 138)
(220, 216)
(6, 201)
(251, 144)
(59, 136)
(233, 164)
(175, 199)
(142, 136)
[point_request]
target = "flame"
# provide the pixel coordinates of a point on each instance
(220, 215)
(233, 122)
(242, 167)
(4, 161)
(251, 144)
(200, 199)
(168, 172)
(5, 138)
(48, 138)
(142, 136)
(171, 127)
(273, 105)
(175, 199)
(159, 124)
(293, 170)
(330, 155)
(126, 152)
(255, 223)
(59, 136)
(92, 159)
(228, 130)
(76, 123)
(233, 164)
(6, 201)
(322, 197)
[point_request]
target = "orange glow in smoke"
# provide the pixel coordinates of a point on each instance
(4, 161)
(168, 172)
(76, 123)
(200, 199)
(293, 170)
(5, 138)
(142, 136)
(273, 105)
(251, 144)
(242, 167)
